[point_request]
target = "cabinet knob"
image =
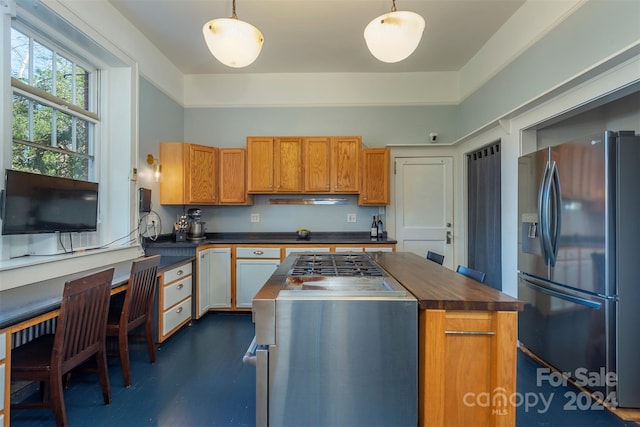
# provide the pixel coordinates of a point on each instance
(258, 252)
(179, 310)
(180, 272)
(180, 286)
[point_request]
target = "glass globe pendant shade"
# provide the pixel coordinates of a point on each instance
(394, 36)
(233, 42)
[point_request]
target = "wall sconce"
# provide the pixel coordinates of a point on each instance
(155, 164)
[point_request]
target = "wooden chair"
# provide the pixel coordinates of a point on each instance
(470, 272)
(435, 257)
(79, 336)
(137, 310)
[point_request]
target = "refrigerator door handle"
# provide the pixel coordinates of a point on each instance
(561, 295)
(554, 234)
(544, 215)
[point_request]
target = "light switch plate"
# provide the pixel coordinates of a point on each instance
(351, 217)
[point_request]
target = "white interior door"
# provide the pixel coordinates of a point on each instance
(424, 206)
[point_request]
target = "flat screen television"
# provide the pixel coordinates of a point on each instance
(34, 203)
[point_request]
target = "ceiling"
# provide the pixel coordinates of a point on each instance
(318, 36)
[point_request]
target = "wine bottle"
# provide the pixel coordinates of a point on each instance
(380, 228)
(374, 228)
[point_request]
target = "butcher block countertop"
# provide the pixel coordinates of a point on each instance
(437, 287)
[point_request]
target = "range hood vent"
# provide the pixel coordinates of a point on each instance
(310, 201)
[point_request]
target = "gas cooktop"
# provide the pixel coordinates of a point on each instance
(336, 265)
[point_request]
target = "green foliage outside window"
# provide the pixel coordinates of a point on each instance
(47, 137)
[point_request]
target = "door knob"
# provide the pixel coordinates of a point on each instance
(448, 237)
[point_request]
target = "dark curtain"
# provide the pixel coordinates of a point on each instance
(484, 250)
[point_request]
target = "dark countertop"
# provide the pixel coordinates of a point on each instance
(274, 238)
(20, 304)
(169, 262)
(437, 287)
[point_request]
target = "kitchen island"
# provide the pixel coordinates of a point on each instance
(467, 344)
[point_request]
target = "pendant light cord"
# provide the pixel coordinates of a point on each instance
(233, 13)
(393, 8)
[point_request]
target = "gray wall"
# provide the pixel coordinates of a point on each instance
(160, 119)
(598, 30)
(378, 126)
(603, 27)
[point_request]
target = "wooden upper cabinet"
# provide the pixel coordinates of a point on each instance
(274, 164)
(288, 165)
(232, 177)
(345, 164)
(374, 188)
(317, 164)
(188, 174)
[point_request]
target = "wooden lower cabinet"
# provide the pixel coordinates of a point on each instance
(213, 280)
(254, 266)
(467, 368)
(174, 300)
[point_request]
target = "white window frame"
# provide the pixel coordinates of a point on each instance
(51, 100)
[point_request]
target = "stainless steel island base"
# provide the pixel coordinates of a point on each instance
(336, 351)
(344, 363)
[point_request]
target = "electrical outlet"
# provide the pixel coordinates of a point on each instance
(255, 217)
(351, 217)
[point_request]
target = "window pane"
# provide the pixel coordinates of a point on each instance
(19, 56)
(64, 79)
(64, 131)
(46, 162)
(82, 88)
(82, 136)
(20, 117)
(42, 67)
(42, 121)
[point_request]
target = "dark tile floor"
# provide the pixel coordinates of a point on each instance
(199, 380)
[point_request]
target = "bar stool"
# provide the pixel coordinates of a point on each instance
(470, 272)
(79, 336)
(435, 257)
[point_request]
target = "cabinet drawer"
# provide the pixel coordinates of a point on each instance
(176, 315)
(258, 253)
(348, 249)
(378, 249)
(176, 292)
(177, 273)
(306, 249)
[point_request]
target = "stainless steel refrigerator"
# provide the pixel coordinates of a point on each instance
(579, 261)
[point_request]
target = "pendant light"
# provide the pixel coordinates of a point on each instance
(233, 42)
(394, 36)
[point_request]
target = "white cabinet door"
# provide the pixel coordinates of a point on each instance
(251, 274)
(214, 279)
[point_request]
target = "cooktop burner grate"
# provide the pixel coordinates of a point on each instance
(339, 265)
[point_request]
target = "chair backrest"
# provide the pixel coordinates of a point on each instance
(138, 300)
(470, 272)
(435, 257)
(82, 322)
